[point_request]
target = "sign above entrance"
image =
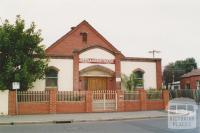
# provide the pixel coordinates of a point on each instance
(100, 61)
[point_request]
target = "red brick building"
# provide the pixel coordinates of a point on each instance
(83, 59)
(191, 80)
(85, 76)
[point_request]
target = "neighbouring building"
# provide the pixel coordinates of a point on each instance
(83, 59)
(175, 85)
(191, 80)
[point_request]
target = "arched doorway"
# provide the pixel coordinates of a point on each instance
(97, 78)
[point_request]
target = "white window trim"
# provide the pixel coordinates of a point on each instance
(51, 78)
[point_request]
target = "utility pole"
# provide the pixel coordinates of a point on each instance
(153, 52)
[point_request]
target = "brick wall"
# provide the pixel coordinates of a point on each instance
(75, 71)
(132, 106)
(118, 70)
(189, 80)
(158, 74)
(12, 103)
(142, 104)
(155, 105)
(73, 40)
(54, 106)
(33, 108)
(70, 107)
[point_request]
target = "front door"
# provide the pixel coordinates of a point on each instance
(97, 83)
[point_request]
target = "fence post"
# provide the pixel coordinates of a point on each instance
(88, 101)
(165, 98)
(143, 97)
(52, 101)
(120, 101)
(12, 103)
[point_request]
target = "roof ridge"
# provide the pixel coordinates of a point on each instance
(66, 34)
(89, 26)
(194, 72)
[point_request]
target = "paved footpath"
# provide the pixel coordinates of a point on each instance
(79, 117)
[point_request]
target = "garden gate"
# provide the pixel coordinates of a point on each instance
(104, 100)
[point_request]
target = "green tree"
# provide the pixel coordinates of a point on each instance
(22, 58)
(130, 82)
(168, 74)
(174, 71)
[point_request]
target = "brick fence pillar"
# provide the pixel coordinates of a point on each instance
(120, 101)
(143, 97)
(88, 101)
(12, 103)
(52, 101)
(165, 98)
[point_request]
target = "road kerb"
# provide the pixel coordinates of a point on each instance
(77, 121)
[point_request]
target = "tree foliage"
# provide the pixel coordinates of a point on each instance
(22, 58)
(173, 71)
(130, 82)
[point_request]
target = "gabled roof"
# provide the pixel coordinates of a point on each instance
(72, 41)
(195, 72)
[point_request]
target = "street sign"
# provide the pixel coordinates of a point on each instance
(16, 85)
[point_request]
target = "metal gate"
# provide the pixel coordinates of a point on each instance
(104, 100)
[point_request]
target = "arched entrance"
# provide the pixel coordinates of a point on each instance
(97, 78)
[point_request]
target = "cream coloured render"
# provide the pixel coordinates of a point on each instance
(4, 102)
(150, 71)
(65, 75)
(96, 53)
(65, 67)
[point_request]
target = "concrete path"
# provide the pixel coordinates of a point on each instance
(79, 117)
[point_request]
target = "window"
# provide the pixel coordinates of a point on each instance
(52, 78)
(187, 86)
(198, 84)
(139, 77)
(84, 37)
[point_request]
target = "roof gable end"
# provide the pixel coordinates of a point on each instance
(73, 41)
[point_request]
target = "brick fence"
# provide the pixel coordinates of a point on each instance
(52, 101)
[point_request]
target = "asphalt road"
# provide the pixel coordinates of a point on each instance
(130, 126)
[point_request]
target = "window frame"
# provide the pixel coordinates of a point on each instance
(139, 78)
(50, 77)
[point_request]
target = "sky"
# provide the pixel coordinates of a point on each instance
(133, 26)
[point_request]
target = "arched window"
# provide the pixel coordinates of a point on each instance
(139, 74)
(52, 78)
